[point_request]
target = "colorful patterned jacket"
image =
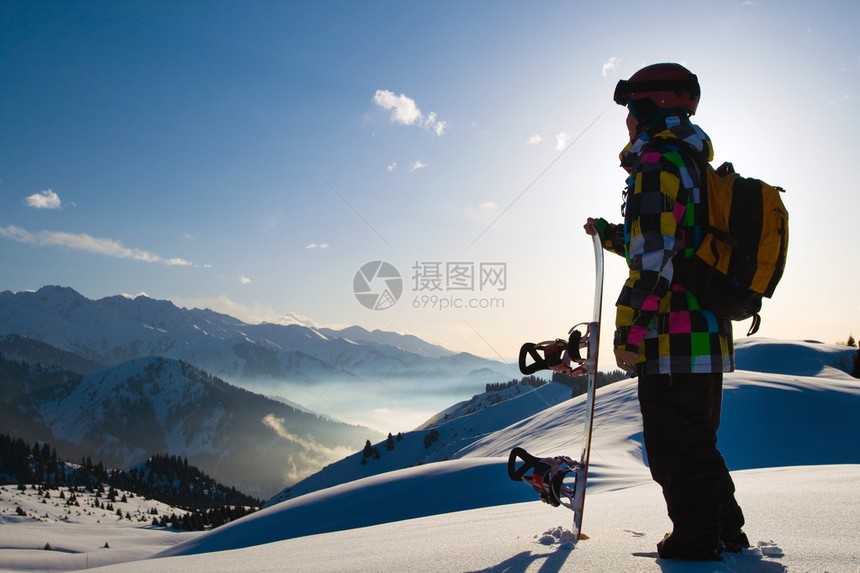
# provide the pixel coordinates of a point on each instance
(655, 315)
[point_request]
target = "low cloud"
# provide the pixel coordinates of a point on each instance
(134, 296)
(416, 165)
(405, 111)
(90, 244)
(317, 246)
(561, 141)
(277, 425)
(46, 199)
(534, 140)
(312, 451)
(294, 318)
(244, 280)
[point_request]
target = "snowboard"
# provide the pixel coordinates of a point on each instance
(548, 475)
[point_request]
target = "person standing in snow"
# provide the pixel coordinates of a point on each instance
(678, 349)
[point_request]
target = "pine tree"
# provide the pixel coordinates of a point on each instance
(851, 341)
(855, 371)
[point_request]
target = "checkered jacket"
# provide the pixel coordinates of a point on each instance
(655, 315)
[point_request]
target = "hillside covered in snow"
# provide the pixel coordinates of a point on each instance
(124, 414)
(790, 440)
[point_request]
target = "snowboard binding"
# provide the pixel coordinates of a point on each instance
(547, 477)
(560, 355)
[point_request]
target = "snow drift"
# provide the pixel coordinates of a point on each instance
(796, 435)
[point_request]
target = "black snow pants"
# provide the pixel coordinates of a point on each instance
(680, 417)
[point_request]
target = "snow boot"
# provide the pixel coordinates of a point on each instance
(672, 547)
(735, 542)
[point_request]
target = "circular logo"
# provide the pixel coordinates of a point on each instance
(377, 285)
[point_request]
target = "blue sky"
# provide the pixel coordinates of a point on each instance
(250, 157)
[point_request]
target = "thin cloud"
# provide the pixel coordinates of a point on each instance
(405, 111)
(46, 199)
(294, 318)
(611, 65)
(416, 165)
(392, 167)
(312, 451)
(277, 425)
(534, 140)
(134, 296)
(479, 212)
(87, 243)
(436, 126)
(317, 246)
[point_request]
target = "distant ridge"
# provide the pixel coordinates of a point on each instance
(118, 328)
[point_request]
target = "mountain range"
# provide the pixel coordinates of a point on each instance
(121, 379)
(119, 328)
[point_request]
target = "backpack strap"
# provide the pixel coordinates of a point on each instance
(756, 322)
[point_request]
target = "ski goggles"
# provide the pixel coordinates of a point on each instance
(625, 90)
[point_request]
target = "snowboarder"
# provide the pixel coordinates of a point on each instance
(678, 349)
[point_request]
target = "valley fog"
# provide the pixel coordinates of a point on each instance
(383, 405)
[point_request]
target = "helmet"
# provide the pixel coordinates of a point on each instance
(666, 85)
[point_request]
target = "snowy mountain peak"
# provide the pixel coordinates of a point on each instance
(117, 329)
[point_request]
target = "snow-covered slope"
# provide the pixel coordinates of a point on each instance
(807, 358)
(799, 519)
(84, 516)
(466, 515)
(457, 428)
(760, 429)
(503, 420)
(23, 349)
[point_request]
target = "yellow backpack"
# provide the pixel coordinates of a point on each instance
(743, 251)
